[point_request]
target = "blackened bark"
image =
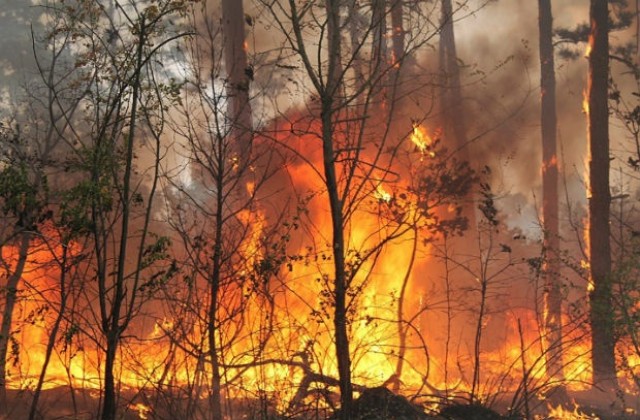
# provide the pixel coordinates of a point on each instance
(329, 105)
(603, 358)
(340, 282)
(378, 54)
(451, 107)
(552, 316)
(354, 38)
(239, 75)
(403, 63)
(110, 397)
(397, 22)
(451, 96)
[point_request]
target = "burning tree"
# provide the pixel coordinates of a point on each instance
(24, 200)
(122, 108)
(550, 208)
(229, 253)
(357, 156)
(603, 342)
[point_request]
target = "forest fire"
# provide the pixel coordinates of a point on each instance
(308, 351)
(421, 139)
(252, 209)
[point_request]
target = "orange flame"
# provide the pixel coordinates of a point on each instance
(560, 412)
(420, 137)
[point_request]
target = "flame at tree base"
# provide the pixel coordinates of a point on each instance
(282, 351)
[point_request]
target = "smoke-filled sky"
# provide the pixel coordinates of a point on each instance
(505, 29)
(505, 101)
(510, 28)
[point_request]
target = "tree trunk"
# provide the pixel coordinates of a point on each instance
(239, 75)
(354, 38)
(397, 22)
(329, 104)
(334, 48)
(552, 316)
(110, 407)
(214, 286)
(340, 282)
(216, 382)
(54, 332)
(7, 314)
(451, 109)
(378, 56)
(451, 96)
(603, 358)
(402, 327)
(114, 326)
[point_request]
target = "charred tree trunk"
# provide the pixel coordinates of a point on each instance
(451, 95)
(110, 397)
(335, 48)
(552, 316)
(603, 342)
(354, 38)
(378, 54)
(7, 314)
(340, 282)
(401, 62)
(328, 108)
(397, 22)
(451, 109)
(239, 75)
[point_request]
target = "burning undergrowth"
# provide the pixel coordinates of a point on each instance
(429, 318)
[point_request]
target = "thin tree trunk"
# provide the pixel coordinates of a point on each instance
(340, 281)
(214, 286)
(114, 327)
(239, 77)
(329, 104)
(7, 315)
(402, 328)
(378, 55)
(54, 333)
(603, 357)
(552, 288)
(478, 341)
(216, 377)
